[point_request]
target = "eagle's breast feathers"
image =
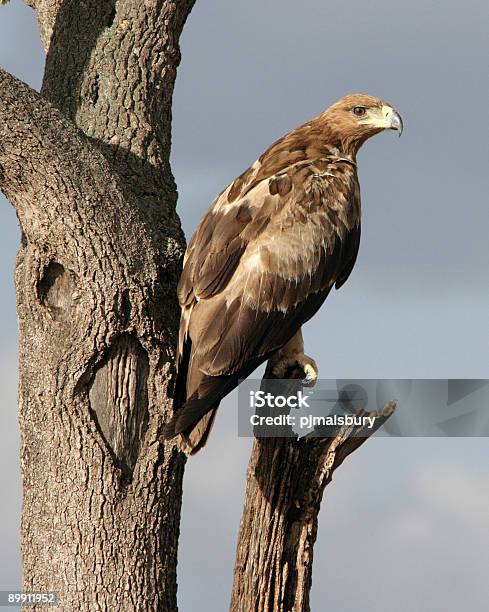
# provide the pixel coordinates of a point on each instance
(264, 248)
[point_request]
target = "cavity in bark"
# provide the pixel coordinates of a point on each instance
(125, 307)
(55, 291)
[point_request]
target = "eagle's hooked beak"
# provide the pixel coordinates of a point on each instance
(393, 119)
(385, 118)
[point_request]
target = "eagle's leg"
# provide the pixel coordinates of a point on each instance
(292, 354)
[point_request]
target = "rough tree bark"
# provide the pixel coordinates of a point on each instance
(86, 166)
(285, 483)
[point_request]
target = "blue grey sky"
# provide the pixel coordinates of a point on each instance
(404, 526)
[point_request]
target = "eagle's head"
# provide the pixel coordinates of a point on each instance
(357, 117)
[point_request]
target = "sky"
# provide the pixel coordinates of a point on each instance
(404, 524)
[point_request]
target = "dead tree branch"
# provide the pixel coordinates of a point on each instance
(285, 483)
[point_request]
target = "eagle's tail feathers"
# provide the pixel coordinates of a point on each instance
(191, 442)
(193, 421)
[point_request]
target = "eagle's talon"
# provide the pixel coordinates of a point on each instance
(310, 370)
(311, 376)
(306, 363)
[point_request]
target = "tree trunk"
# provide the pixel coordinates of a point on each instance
(86, 166)
(285, 483)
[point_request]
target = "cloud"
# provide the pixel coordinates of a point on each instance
(426, 549)
(460, 495)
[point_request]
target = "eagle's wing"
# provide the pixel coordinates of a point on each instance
(259, 265)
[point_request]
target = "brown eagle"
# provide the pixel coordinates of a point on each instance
(264, 258)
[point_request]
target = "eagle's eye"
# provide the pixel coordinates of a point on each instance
(359, 111)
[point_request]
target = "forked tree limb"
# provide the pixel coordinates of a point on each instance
(285, 483)
(111, 67)
(52, 173)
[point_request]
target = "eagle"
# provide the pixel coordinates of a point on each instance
(264, 258)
